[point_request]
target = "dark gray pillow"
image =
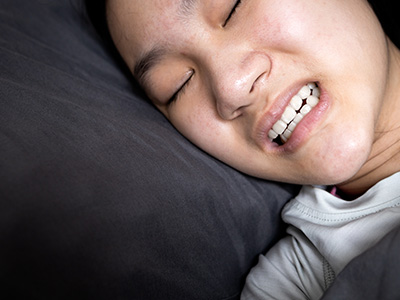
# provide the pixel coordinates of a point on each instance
(374, 275)
(100, 198)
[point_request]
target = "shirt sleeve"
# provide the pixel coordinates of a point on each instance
(292, 269)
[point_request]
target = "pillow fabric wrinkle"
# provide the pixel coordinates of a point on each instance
(101, 198)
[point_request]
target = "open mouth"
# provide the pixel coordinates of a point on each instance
(300, 105)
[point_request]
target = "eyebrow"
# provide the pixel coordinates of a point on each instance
(149, 59)
(146, 62)
(187, 7)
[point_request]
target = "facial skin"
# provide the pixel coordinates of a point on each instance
(240, 73)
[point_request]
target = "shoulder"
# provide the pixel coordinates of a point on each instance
(292, 269)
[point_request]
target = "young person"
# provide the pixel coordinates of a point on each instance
(300, 91)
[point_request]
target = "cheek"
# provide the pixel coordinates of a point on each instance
(201, 125)
(198, 123)
(313, 27)
(289, 26)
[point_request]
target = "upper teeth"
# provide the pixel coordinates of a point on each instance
(299, 106)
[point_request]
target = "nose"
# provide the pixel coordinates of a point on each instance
(237, 79)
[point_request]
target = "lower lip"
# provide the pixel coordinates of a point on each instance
(305, 128)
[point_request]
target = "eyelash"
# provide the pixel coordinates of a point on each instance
(235, 7)
(182, 89)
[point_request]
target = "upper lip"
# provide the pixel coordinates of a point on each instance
(274, 113)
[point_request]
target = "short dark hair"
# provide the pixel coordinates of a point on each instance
(387, 13)
(96, 12)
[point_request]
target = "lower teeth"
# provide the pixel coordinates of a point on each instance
(300, 106)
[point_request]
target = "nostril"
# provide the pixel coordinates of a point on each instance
(228, 112)
(258, 80)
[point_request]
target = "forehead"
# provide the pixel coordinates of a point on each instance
(139, 25)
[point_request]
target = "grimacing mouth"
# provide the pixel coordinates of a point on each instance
(299, 106)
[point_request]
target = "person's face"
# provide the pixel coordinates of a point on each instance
(232, 74)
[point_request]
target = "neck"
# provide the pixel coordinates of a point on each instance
(384, 159)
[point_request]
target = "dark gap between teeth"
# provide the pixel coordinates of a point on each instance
(278, 140)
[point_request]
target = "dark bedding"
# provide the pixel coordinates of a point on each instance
(100, 198)
(375, 274)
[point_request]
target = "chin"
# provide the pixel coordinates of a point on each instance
(338, 161)
(337, 176)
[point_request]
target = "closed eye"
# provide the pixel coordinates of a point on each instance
(181, 90)
(232, 12)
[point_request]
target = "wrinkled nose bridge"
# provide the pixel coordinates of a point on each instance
(233, 77)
